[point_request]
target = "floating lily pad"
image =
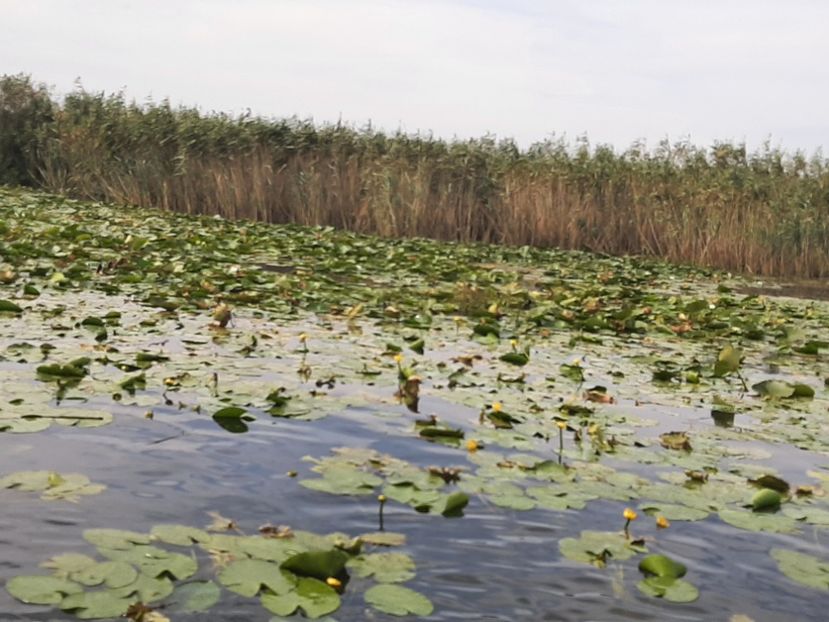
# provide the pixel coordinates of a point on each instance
(398, 601)
(670, 589)
(598, 548)
(802, 568)
(250, 576)
(41, 590)
(383, 567)
(312, 596)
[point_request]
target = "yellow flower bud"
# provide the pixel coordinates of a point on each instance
(334, 582)
(303, 337)
(662, 522)
(629, 514)
(497, 407)
(472, 445)
(381, 498)
(513, 342)
(398, 358)
(562, 425)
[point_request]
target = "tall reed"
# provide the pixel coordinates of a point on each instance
(765, 212)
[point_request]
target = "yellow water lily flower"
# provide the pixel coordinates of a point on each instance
(398, 358)
(472, 445)
(662, 522)
(497, 407)
(334, 582)
(630, 514)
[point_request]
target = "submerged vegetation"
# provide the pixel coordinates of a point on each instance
(630, 407)
(762, 213)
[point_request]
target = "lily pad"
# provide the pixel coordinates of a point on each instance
(802, 568)
(41, 590)
(398, 601)
(670, 589)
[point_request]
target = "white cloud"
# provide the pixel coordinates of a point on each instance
(615, 70)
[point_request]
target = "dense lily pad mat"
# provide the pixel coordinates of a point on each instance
(288, 571)
(554, 383)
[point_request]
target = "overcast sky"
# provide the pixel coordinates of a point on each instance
(614, 70)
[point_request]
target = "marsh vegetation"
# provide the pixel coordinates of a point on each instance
(249, 420)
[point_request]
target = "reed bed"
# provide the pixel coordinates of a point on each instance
(764, 212)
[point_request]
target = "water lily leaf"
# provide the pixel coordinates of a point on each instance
(670, 589)
(180, 535)
(97, 605)
(23, 426)
(233, 419)
(802, 568)
(384, 538)
(146, 589)
(249, 576)
(52, 485)
(515, 358)
(41, 590)
(766, 499)
(67, 563)
(344, 480)
(675, 440)
(115, 538)
(756, 521)
(398, 601)
(513, 502)
(383, 567)
(773, 482)
(317, 564)
(111, 574)
(674, 512)
(774, 388)
(195, 597)
(813, 516)
(454, 505)
(7, 306)
(55, 371)
(662, 566)
(598, 548)
(154, 562)
(728, 360)
(314, 597)
(230, 412)
(438, 432)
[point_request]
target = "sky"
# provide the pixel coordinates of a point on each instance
(615, 71)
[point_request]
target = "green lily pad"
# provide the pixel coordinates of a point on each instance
(115, 538)
(765, 500)
(598, 548)
(802, 568)
(383, 567)
(41, 590)
(454, 505)
(112, 574)
(316, 564)
(180, 535)
(755, 521)
(398, 601)
(195, 597)
(313, 597)
(250, 576)
(97, 605)
(670, 589)
(7, 306)
(662, 566)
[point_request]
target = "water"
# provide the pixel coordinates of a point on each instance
(493, 564)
